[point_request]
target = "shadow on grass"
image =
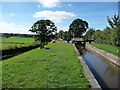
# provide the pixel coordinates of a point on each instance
(47, 48)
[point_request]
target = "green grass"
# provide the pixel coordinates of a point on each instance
(12, 45)
(27, 41)
(18, 39)
(0, 74)
(56, 66)
(108, 48)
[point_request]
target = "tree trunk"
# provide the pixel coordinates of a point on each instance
(42, 44)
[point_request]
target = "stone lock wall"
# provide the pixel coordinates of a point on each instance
(110, 57)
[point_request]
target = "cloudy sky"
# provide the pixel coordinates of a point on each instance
(18, 17)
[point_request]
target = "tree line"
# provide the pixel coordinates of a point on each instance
(46, 31)
(7, 35)
(76, 30)
(110, 35)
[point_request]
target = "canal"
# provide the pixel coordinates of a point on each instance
(106, 73)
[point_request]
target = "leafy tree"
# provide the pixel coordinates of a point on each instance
(78, 27)
(115, 25)
(116, 36)
(106, 36)
(114, 22)
(56, 36)
(44, 30)
(67, 36)
(97, 36)
(89, 34)
(60, 34)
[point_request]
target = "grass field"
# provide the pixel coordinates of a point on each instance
(12, 45)
(15, 40)
(18, 39)
(56, 66)
(111, 49)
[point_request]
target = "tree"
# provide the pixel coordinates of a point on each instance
(44, 30)
(78, 27)
(67, 36)
(107, 36)
(56, 36)
(114, 22)
(7, 35)
(89, 34)
(97, 36)
(60, 34)
(116, 36)
(115, 25)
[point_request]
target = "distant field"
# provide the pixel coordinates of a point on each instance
(6, 42)
(18, 39)
(111, 49)
(56, 66)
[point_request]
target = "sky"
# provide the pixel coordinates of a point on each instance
(18, 17)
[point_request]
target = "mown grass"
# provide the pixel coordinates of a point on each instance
(111, 49)
(56, 66)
